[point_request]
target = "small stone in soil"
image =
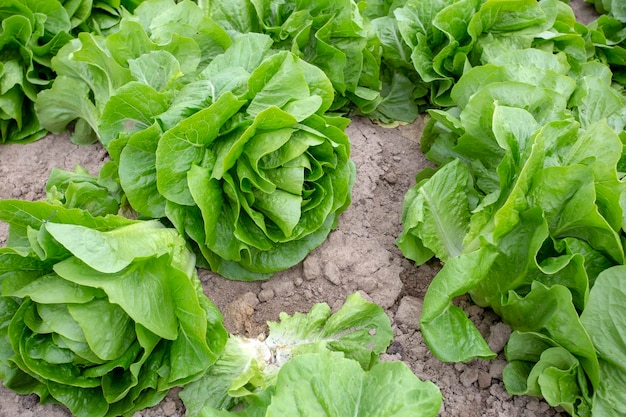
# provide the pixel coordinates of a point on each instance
(409, 312)
(498, 336)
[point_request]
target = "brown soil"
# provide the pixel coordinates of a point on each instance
(359, 256)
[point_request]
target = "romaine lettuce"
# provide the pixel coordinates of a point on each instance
(614, 8)
(335, 36)
(525, 211)
(101, 314)
(162, 45)
(31, 35)
(336, 355)
(228, 139)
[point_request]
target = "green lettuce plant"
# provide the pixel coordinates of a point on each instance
(31, 34)
(314, 364)
(229, 140)
(337, 37)
(101, 314)
(265, 174)
(614, 8)
(162, 45)
(428, 45)
(526, 212)
(227, 135)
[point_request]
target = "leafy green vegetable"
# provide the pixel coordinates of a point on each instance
(270, 188)
(327, 383)
(603, 318)
(160, 44)
(79, 189)
(443, 39)
(541, 367)
(269, 377)
(101, 314)
(336, 37)
(614, 8)
(525, 212)
(228, 140)
(225, 133)
(31, 35)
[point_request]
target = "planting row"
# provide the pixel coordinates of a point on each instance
(225, 123)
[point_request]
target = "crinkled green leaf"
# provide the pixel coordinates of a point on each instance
(327, 384)
(184, 145)
(603, 318)
(447, 331)
(438, 213)
(247, 372)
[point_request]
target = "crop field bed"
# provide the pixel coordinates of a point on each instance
(360, 255)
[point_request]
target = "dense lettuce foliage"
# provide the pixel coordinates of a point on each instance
(603, 318)
(164, 53)
(614, 8)
(332, 35)
(226, 138)
(31, 34)
(222, 120)
(527, 212)
(28, 40)
(99, 195)
(101, 314)
(608, 36)
(337, 355)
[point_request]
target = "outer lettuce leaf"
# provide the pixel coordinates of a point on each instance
(428, 228)
(359, 329)
(447, 331)
(138, 177)
(102, 314)
(387, 389)
(255, 373)
(603, 319)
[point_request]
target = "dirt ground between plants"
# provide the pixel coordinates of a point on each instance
(359, 256)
